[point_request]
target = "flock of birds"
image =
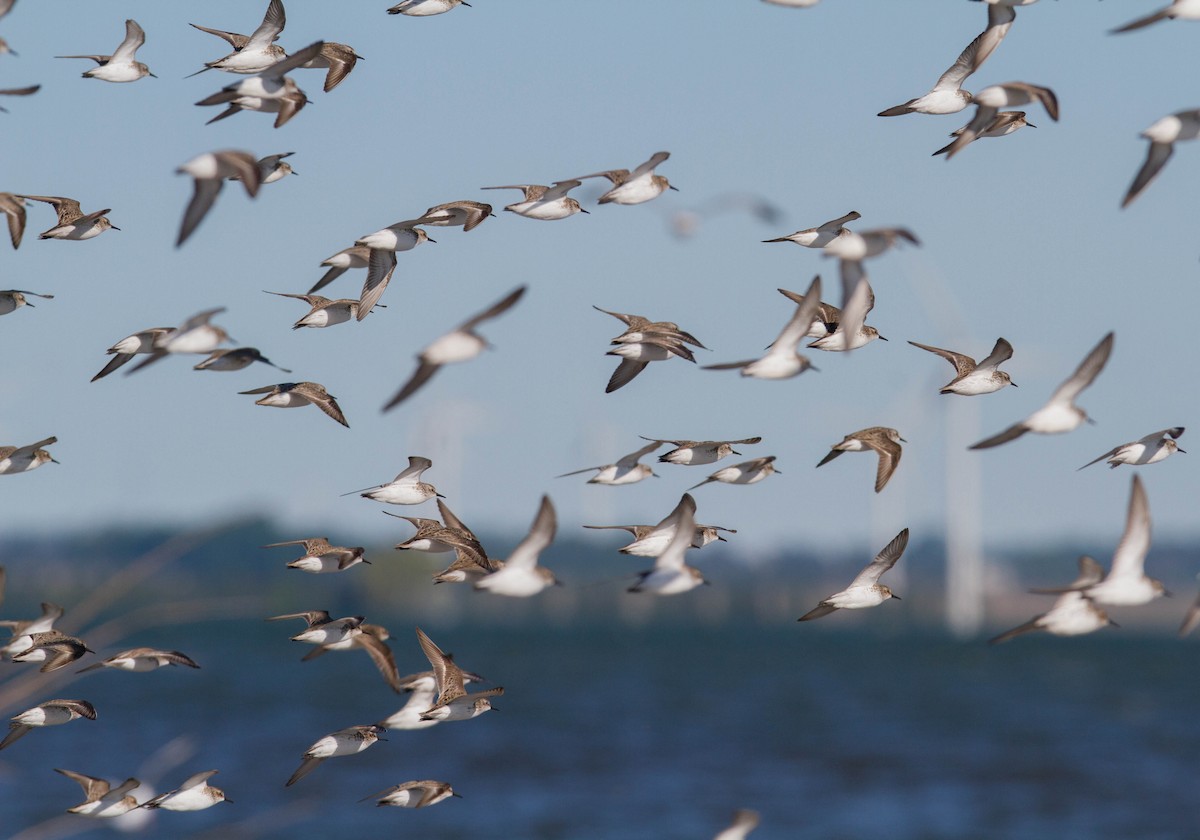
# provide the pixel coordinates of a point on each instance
(440, 694)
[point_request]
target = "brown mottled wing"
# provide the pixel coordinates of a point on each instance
(448, 676)
(380, 267)
(962, 364)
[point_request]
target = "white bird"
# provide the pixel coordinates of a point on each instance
(1060, 414)
(425, 8)
(101, 800)
(322, 558)
(253, 53)
(1073, 614)
(349, 741)
(991, 100)
(356, 256)
(453, 701)
(49, 713)
(521, 576)
(865, 590)
(406, 488)
(459, 345)
(1163, 135)
(270, 90)
(1002, 125)
(195, 794)
(13, 299)
(19, 459)
(544, 203)
(125, 349)
(821, 235)
(1151, 449)
(209, 172)
(1126, 583)
(635, 187)
(626, 470)
(747, 472)
(671, 575)
(419, 794)
(973, 378)
(947, 96)
(122, 65)
(142, 659)
(195, 335)
(783, 360)
(1179, 9)
(697, 452)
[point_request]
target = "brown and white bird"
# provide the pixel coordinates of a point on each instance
(102, 800)
(419, 794)
(453, 702)
(349, 741)
(50, 713)
(881, 440)
(459, 345)
(53, 649)
(209, 171)
(320, 557)
(20, 459)
(142, 659)
(636, 187)
(865, 590)
(971, 377)
(298, 394)
(195, 794)
(1154, 447)
(73, 224)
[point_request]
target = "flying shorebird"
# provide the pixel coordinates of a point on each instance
(865, 590)
(459, 345)
(13, 207)
(13, 299)
(270, 90)
(645, 341)
(253, 53)
(425, 8)
(356, 256)
(337, 59)
(419, 794)
(1126, 583)
(544, 203)
(453, 701)
(49, 713)
(123, 351)
(1179, 9)
(1060, 414)
(783, 360)
(101, 800)
(209, 172)
(1089, 572)
(372, 639)
(626, 470)
(322, 630)
(883, 441)
(671, 575)
(323, 312)
(121, 66)
(947, 96)
(636, 187)
(235, 358)
(1073, 614)
(142, 659)
(1163, 135)
(990, 101)
(1151, 449)
(19, 459)
(520, 576)
(696, 452)
(747, 472)
(348, 741)
(1002, 125)
(297, 394)
(320, 557)
(973, 378)
(465, 214)
(195, 794)
(821, 235)
(652, 540)
(73, 224)
(23, 630)
(195, 335)
(839, 330)
(406, 488)
(53, 649)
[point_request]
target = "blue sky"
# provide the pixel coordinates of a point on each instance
(1021, 237)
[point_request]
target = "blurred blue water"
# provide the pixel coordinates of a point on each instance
(658, 732)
